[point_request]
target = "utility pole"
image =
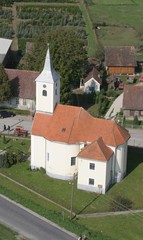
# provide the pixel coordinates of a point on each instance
(72, 195)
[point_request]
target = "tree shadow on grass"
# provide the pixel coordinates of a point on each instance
(135, 157)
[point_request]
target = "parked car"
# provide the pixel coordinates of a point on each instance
(6, 114)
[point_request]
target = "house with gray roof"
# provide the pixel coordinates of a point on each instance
(120, 60)
(23, 88)
(133, 101)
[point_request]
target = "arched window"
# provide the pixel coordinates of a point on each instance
(44, 93)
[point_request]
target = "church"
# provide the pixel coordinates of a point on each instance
(68, 142)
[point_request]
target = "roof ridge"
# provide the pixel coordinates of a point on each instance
(73, 125)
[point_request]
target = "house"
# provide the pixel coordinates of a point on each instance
(92, 82)
(67, 141)
(5, 45)
(133, 101)
(23, 87)
(120, 60)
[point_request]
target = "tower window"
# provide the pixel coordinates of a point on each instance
(44, 93)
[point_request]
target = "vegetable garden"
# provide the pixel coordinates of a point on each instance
(34, 20)
(5, 23)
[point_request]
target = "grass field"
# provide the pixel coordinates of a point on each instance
(83, 202)
(7, 234)
(91, 38)
(120, 22)
(14, 144)
(115, 2)
(124, 227)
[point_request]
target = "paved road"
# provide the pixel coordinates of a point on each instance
(115, 107)
(29, 224)
(136, 137)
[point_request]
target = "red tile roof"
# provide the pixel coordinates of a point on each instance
(96, 151)
(71, 124)
(23, 83)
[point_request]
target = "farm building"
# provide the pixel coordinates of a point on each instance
(133, 101)
(23, 87)
(120, 60)
(67, 141)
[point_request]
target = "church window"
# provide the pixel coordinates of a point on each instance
(44, 86)
(44, 93)
(91, 181)
(73, 161)
(55, 91)
(92, 166)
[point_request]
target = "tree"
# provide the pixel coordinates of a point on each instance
(5, 90)
(136, 120)
(68, 55)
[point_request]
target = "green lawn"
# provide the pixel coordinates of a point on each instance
(119, 20)
(14, 144)
(124, 227)
(84, 202)
(7, 234)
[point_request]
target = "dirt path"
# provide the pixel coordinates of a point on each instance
(14, 25)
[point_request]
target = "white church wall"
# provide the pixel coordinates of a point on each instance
(37, 152)
(121, 162)
(97, 175)
(58, 163)
(109, 173)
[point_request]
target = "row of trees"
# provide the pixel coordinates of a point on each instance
(68, 54)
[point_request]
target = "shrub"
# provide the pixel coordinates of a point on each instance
(120, 203)
(136, 121)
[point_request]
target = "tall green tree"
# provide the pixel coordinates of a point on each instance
(5, 90)
(68, 55)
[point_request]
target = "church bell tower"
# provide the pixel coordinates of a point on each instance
(47, 87)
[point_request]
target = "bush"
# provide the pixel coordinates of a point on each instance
(136, 121)
(120, 203)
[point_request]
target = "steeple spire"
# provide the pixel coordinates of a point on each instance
(48, 74)
(47, 87)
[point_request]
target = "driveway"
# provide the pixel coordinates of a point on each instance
(115, 107)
